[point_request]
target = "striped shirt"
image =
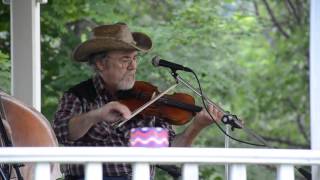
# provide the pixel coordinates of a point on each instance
(101, 134)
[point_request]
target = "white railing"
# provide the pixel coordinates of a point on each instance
(191, 158)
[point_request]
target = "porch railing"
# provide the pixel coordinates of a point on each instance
(191, 158)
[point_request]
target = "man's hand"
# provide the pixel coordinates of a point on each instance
(112, 112)
(203, 119)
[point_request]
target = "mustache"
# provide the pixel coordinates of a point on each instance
(128, 74)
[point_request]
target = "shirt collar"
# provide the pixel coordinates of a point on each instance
(99, 84)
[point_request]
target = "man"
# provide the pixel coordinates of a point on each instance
(87, 110)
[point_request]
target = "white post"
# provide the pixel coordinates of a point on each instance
(190, 172)
(93, 171)
(25, 51)
(237, 172)
(42, 171)
(227, 145)
(141, 171)
(315, 80)
(285, 172)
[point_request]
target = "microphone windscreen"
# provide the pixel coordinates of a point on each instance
(155, 61)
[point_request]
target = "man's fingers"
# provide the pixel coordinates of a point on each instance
(215, 112)
(121, 109)
(211, 111)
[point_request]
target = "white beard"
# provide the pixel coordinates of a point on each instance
(127, 82)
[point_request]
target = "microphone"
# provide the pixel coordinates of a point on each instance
(156, 61)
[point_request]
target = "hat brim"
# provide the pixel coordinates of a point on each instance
(142, 43)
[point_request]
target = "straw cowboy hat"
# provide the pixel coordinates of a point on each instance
(112, 37)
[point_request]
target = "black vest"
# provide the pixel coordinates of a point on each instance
(84, 90)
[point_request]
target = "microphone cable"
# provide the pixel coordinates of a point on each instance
(301, 170)
(305, 173)
(218, 125)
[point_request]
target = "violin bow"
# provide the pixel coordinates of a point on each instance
(122, 121)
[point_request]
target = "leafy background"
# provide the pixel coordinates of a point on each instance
(251, 57)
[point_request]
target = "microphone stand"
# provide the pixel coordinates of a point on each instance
(227, 128)
(232, 121)
(227, 145)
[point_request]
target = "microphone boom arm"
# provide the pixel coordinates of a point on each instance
(232, 120)
(188, 85)
(235, 121)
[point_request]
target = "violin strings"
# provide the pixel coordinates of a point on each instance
(137, 111)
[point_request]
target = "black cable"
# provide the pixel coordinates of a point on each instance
(172, 170)
(306, 174)
(221, 129)
(2, 174)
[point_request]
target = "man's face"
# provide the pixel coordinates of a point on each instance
(118, 69)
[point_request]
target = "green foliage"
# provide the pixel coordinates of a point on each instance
(4, 72)
(251, 64)
(4, 48)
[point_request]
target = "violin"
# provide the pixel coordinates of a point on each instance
(177, 109)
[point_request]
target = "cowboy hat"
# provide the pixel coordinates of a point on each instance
(112, 37)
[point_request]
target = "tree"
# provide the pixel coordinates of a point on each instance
(251, 57)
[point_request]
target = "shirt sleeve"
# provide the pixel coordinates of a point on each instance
(69, 107)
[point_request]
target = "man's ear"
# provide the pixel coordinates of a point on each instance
(100, 65)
